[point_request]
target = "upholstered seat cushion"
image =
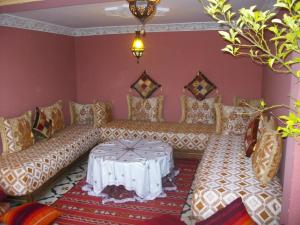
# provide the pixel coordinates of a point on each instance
(23, 172)
(178, 135)
(224, 174)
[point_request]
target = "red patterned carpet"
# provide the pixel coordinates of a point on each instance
(80, 208)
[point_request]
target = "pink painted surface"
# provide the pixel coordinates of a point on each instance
(36, 69)
(46, 4)
(106, 68)
(291, 187)
(276, 89)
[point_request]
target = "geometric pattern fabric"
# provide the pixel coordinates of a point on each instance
(179, 135)
(145, 85)
(200, 86)
(23, 172)
(224, 174)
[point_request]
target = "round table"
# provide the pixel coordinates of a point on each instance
(138, 165)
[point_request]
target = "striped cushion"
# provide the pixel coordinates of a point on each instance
(31, 214)
(233, 214)
(4, 207)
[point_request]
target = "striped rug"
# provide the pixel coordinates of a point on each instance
(80, 208)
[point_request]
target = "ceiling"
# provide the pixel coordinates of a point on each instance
(93, 13)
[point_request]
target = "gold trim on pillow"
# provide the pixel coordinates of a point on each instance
(183, 108)
(16, 133)
(218, 107)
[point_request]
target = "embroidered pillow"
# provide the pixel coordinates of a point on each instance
(42, 127)
(145, 109)
(81, 114)
(238, 101)
(200, 86)
(233, 214)
(16, 133)
(251, 136)
(233, 120)
(145, 85)
(102, 113)
(267, 156)
(55, 114)
(195, 111)
(31, 213)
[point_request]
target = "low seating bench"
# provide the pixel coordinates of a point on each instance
(187, 140)
(225, 174)
(23, 172)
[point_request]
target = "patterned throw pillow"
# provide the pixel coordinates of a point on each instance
(16, 133)
(200, 86)
(102, 113)
(233, 120)
(42, 127)
(195, 111)
(238, 101)
(251, 136)
(145, 85)
(233, 214)
(267, 155)
(4, 207)
(55, 114)
(145, 109)
(81, 113)
(31, 213)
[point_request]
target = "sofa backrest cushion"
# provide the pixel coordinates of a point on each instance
(196, 111)
(16, 133)
(267, 156)
(150, 109)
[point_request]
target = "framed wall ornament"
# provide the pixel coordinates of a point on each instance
(200, 86)
(145, 85)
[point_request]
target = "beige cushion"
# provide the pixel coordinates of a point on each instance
(267, 155)
(238, 101)
(81, 113)
(140, 109)
(16, 133)
(196, 111)
(102, 113)
(233, 120)
(55, 113)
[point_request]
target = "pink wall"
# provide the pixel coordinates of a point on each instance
(276, 89)
(36, 69)
(105, 68)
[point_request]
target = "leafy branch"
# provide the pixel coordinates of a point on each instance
(269, 38)
(249, 30)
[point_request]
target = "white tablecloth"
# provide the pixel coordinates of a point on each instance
(138, 165)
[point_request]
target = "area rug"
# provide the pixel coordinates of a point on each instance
(80, 208)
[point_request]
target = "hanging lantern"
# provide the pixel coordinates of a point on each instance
(137, 46)
(142, 9)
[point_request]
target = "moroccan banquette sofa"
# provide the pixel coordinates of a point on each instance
(207, 126)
